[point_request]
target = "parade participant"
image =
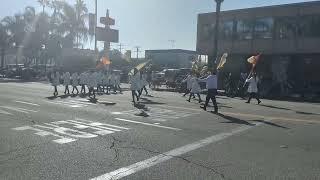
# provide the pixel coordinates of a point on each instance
(92, 83)
(118, 82)
(135, 85)
(83, 82)
(212, 85)
(189, 85)
(144, 83)
(113, 82)
(253, 88)
(66, 82)
(104, 82)
(55, 77)
(195, 88)
(75, 82)
(100, 77)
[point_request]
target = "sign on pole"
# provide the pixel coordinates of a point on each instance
(92, 23)
(107, 35)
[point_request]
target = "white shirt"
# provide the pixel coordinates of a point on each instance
(211, 81)
(253, 86)
(195, 87)
(188, 80)
(75, 81)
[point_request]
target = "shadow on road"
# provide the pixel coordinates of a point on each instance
(148, 101)
(234, 120)
(271, 124)
(306, 113)
(274, 107)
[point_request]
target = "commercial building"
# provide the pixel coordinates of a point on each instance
(288, 36)
(171, 58)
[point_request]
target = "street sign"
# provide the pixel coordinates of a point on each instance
(107, 21)
(107, 35)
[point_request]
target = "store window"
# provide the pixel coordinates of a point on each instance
(310, 26)
(286, 27)
(263, 28)
(244, 29)
(227, 30)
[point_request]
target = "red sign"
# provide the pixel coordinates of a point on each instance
(107, 21)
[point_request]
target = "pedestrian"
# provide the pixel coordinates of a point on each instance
(212, 85)
(55, 77)
(118, 82)
(75, 82)
(253, 88)
(83, 82)
(66, 82)
(195, 88)
(189, 85)
(100, 77)
(144, 83)
(92, 83)
(135, 85)
(113, 82)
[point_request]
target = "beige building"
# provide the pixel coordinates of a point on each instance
(288, 36)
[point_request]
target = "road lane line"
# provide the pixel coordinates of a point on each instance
(139, 166)
(4, 112)
(23, 102)
(148, 124)
(15, 109)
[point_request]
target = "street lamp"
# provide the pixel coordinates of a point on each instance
(212, 64)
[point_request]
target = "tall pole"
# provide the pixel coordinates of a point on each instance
(96, 23)
(212, 64)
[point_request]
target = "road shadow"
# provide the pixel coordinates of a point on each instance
(148, 101)
(52, 97)
(108, 103)
(306, 113)
(274, 107)
(234, 120)
(271, 124)
(141, 106)
(64, 96)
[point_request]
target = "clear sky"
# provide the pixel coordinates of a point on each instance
(150, 24)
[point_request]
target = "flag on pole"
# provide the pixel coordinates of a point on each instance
(254, 61)
(223, 61)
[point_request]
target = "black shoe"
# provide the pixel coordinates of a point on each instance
(204, 108)
(188, 100)
(259, 102)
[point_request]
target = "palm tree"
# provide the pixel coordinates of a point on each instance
(4, 42)
(16, 26)
(82, 16)
(43, 3)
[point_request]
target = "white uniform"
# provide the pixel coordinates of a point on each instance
(75, 80)
(66, 79)
(83, 78)
(253, 84)
(93, 80)
(117, 80)
(188, 80)
(195, 87)
(55, 79)
(144, 80)
(135, 82)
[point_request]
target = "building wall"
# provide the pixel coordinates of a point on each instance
(303, 36)
(171, 59)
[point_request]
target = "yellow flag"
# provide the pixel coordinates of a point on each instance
(223, 61)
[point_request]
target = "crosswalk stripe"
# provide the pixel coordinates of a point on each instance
(4, 112)
(23, 102)
(148, 124)
(26, 111)
(119, 127)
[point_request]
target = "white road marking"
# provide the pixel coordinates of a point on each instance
(74, 103)
(139, 166)
(4, 112)
(26, 111)
(32, 104)
(148, 124)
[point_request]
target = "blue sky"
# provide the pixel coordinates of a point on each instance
(150, 24)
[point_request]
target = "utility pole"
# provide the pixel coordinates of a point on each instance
(212, 62)
(172, 43)
(137, 51)
(121, 47)
(96, 23)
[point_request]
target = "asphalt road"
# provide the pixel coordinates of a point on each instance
(72, 138)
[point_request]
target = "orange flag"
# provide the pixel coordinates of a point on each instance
(105, 61)
(254, 61)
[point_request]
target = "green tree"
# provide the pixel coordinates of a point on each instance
(4, 42)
